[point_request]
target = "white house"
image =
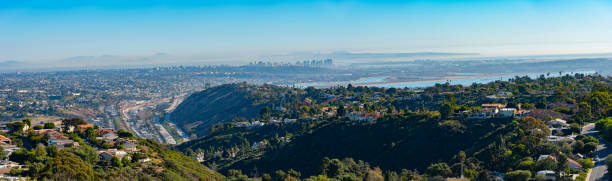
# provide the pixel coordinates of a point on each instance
(548, 174)
(507, 112)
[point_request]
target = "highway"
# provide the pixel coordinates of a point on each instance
(600, 171)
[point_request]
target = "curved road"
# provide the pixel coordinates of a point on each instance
(599, 172)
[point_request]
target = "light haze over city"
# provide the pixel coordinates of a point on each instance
(209, 31)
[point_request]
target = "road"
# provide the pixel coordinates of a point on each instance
(600, 171)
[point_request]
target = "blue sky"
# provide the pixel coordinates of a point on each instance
(49, 30)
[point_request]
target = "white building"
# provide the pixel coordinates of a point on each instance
(507, 112)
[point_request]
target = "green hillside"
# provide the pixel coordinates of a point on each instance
(424, 131)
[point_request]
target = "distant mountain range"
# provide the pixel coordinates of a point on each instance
(344, 55)
(339, 57)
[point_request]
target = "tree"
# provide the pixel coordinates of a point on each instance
(584, 111)
(341, 111)
(2, 154)
(15, 126)
(66, 123)
(546, 164)
(609, 162)
(446, 110)
(49, 126)
(441, 169)
(589, 147)
(264, 112)
(87, 153)
(335, 168)
(578, 146)
(116, 162)
(125, 134)
(518, 175)
(586, 163)
(27, 121)
(37, 127)
(67, 166)
(483, 176)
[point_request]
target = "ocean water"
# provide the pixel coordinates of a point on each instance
(379, 81)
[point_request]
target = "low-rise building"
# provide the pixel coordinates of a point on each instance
(547, 174)
(543, 157)
(62, 143)
(507, 112)
(364, 117)
(6, 141)
(555, 123)
(130, 145)
(574, 164)
(84, 127)
(107, 155)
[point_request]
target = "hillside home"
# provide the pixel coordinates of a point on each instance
(561, 139)
(107, 155)
(62, 143)
(574, 164)
(107, 136)
(130, 145)
(542, 157)
(490, 110)
(547, 174)
(5, 141)
(363, 116)
(555, 123)
(84, 127)
(242, 124)
(9, 149)
(507, 112)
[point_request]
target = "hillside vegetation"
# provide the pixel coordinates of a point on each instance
(311, 133)
(216, 105)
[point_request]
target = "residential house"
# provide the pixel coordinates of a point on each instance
(557, 123)
(507, 112)
(53, 134)
(542, 157)
(490, 110)
(363, 116)
(280, 109)
(258, 144)
(574, 164)
(62, 143)
(5, 141)
(130, 145)
(144, 160)
(107, 136)
(257, 123)
(457, 179)
(561, 139)
(9, 149)
(559, 127)
(6, 166)
(84, 127)
(242, 124)
(548, 174)
(287, 120)
(107, 155)
(58, 139)
(521, 113)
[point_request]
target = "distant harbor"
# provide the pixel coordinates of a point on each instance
(465, 79)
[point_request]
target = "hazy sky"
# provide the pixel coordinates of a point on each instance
(47, 30)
